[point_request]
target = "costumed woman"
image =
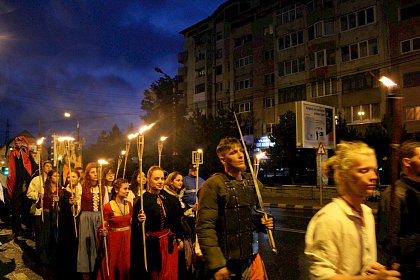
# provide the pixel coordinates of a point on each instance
(48, 227)
(174, 186)
(67, 240)
(89, 222)
(108, 177)
(163, 231)
(134, 192)
(117, 216)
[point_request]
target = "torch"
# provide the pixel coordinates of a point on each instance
(41, 177)
(140, 148)
(127, 148)
(120, 158)
(102, 162)
(257, 160)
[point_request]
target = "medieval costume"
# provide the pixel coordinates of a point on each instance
(163, 228)
(118, 225)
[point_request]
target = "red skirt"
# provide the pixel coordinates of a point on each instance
(169, 269)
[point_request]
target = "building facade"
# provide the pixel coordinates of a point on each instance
(261, 56)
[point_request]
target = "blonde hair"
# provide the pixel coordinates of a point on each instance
(339, 165)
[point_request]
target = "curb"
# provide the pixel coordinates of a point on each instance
(300, 206)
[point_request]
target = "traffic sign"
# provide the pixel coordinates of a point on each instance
(321, 150)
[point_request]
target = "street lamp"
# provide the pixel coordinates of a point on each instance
(158, 70)
(160, 147)
(393, 112)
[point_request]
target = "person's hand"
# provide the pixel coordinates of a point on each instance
(41, 195)
(195, 207)
(180, 245)
(103, 232)
(71, 200)
(222, 274)
(269, 223)
(382, 273)
(55, 198)
(141, 216)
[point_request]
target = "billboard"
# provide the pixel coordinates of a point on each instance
(314, 124)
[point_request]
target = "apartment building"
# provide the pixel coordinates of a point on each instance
(262, 56)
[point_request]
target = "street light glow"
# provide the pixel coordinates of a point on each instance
(387, 82)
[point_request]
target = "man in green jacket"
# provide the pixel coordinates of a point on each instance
(227, 221)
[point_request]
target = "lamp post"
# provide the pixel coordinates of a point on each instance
(393, 112)
(79, 149)
(174, 131)
(160, 147)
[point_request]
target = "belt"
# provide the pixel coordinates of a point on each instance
(190, 191)
(119, 229)
(159, 234)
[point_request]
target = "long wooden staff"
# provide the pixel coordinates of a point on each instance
(140, 148)
(102, 210)
(257, 189)
(41, 177)
(73, 208)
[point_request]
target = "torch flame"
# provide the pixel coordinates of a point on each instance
(146, 127)
(163, 138)
(40, 140)
(131, 136)
(102, 162)
(65, 138)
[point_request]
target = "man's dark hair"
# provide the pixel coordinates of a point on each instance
(407, 149)
(225, 145)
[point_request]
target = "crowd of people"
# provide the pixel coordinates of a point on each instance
(157, 226)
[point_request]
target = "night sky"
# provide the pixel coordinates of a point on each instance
(91, 58)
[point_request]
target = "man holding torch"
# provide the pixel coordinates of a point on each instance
(227, 220)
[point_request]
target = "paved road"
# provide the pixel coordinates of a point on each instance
(290, 262)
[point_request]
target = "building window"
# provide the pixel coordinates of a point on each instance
(201, 72)
(269, 79)
(218, 87)
(359, 81)
(268, 30)
(219, 105)
(359, 50)
(268, 102)
(290, 13)
(290, 40)
(269, 128)
(410, 45)
(323, 88)
(358, 19)
(200, 88)
(292, 66)
(200, 56)
(321, 29)
(412, 113)
(244, 107)
(243, 61)
(411, 79)
(321, 58)
(362, 113)
(410, 12)
(219, 53)
(243, 40)
(219, 69)
(268, 54)
(244, 84)
(219, 36)
(292, 94)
